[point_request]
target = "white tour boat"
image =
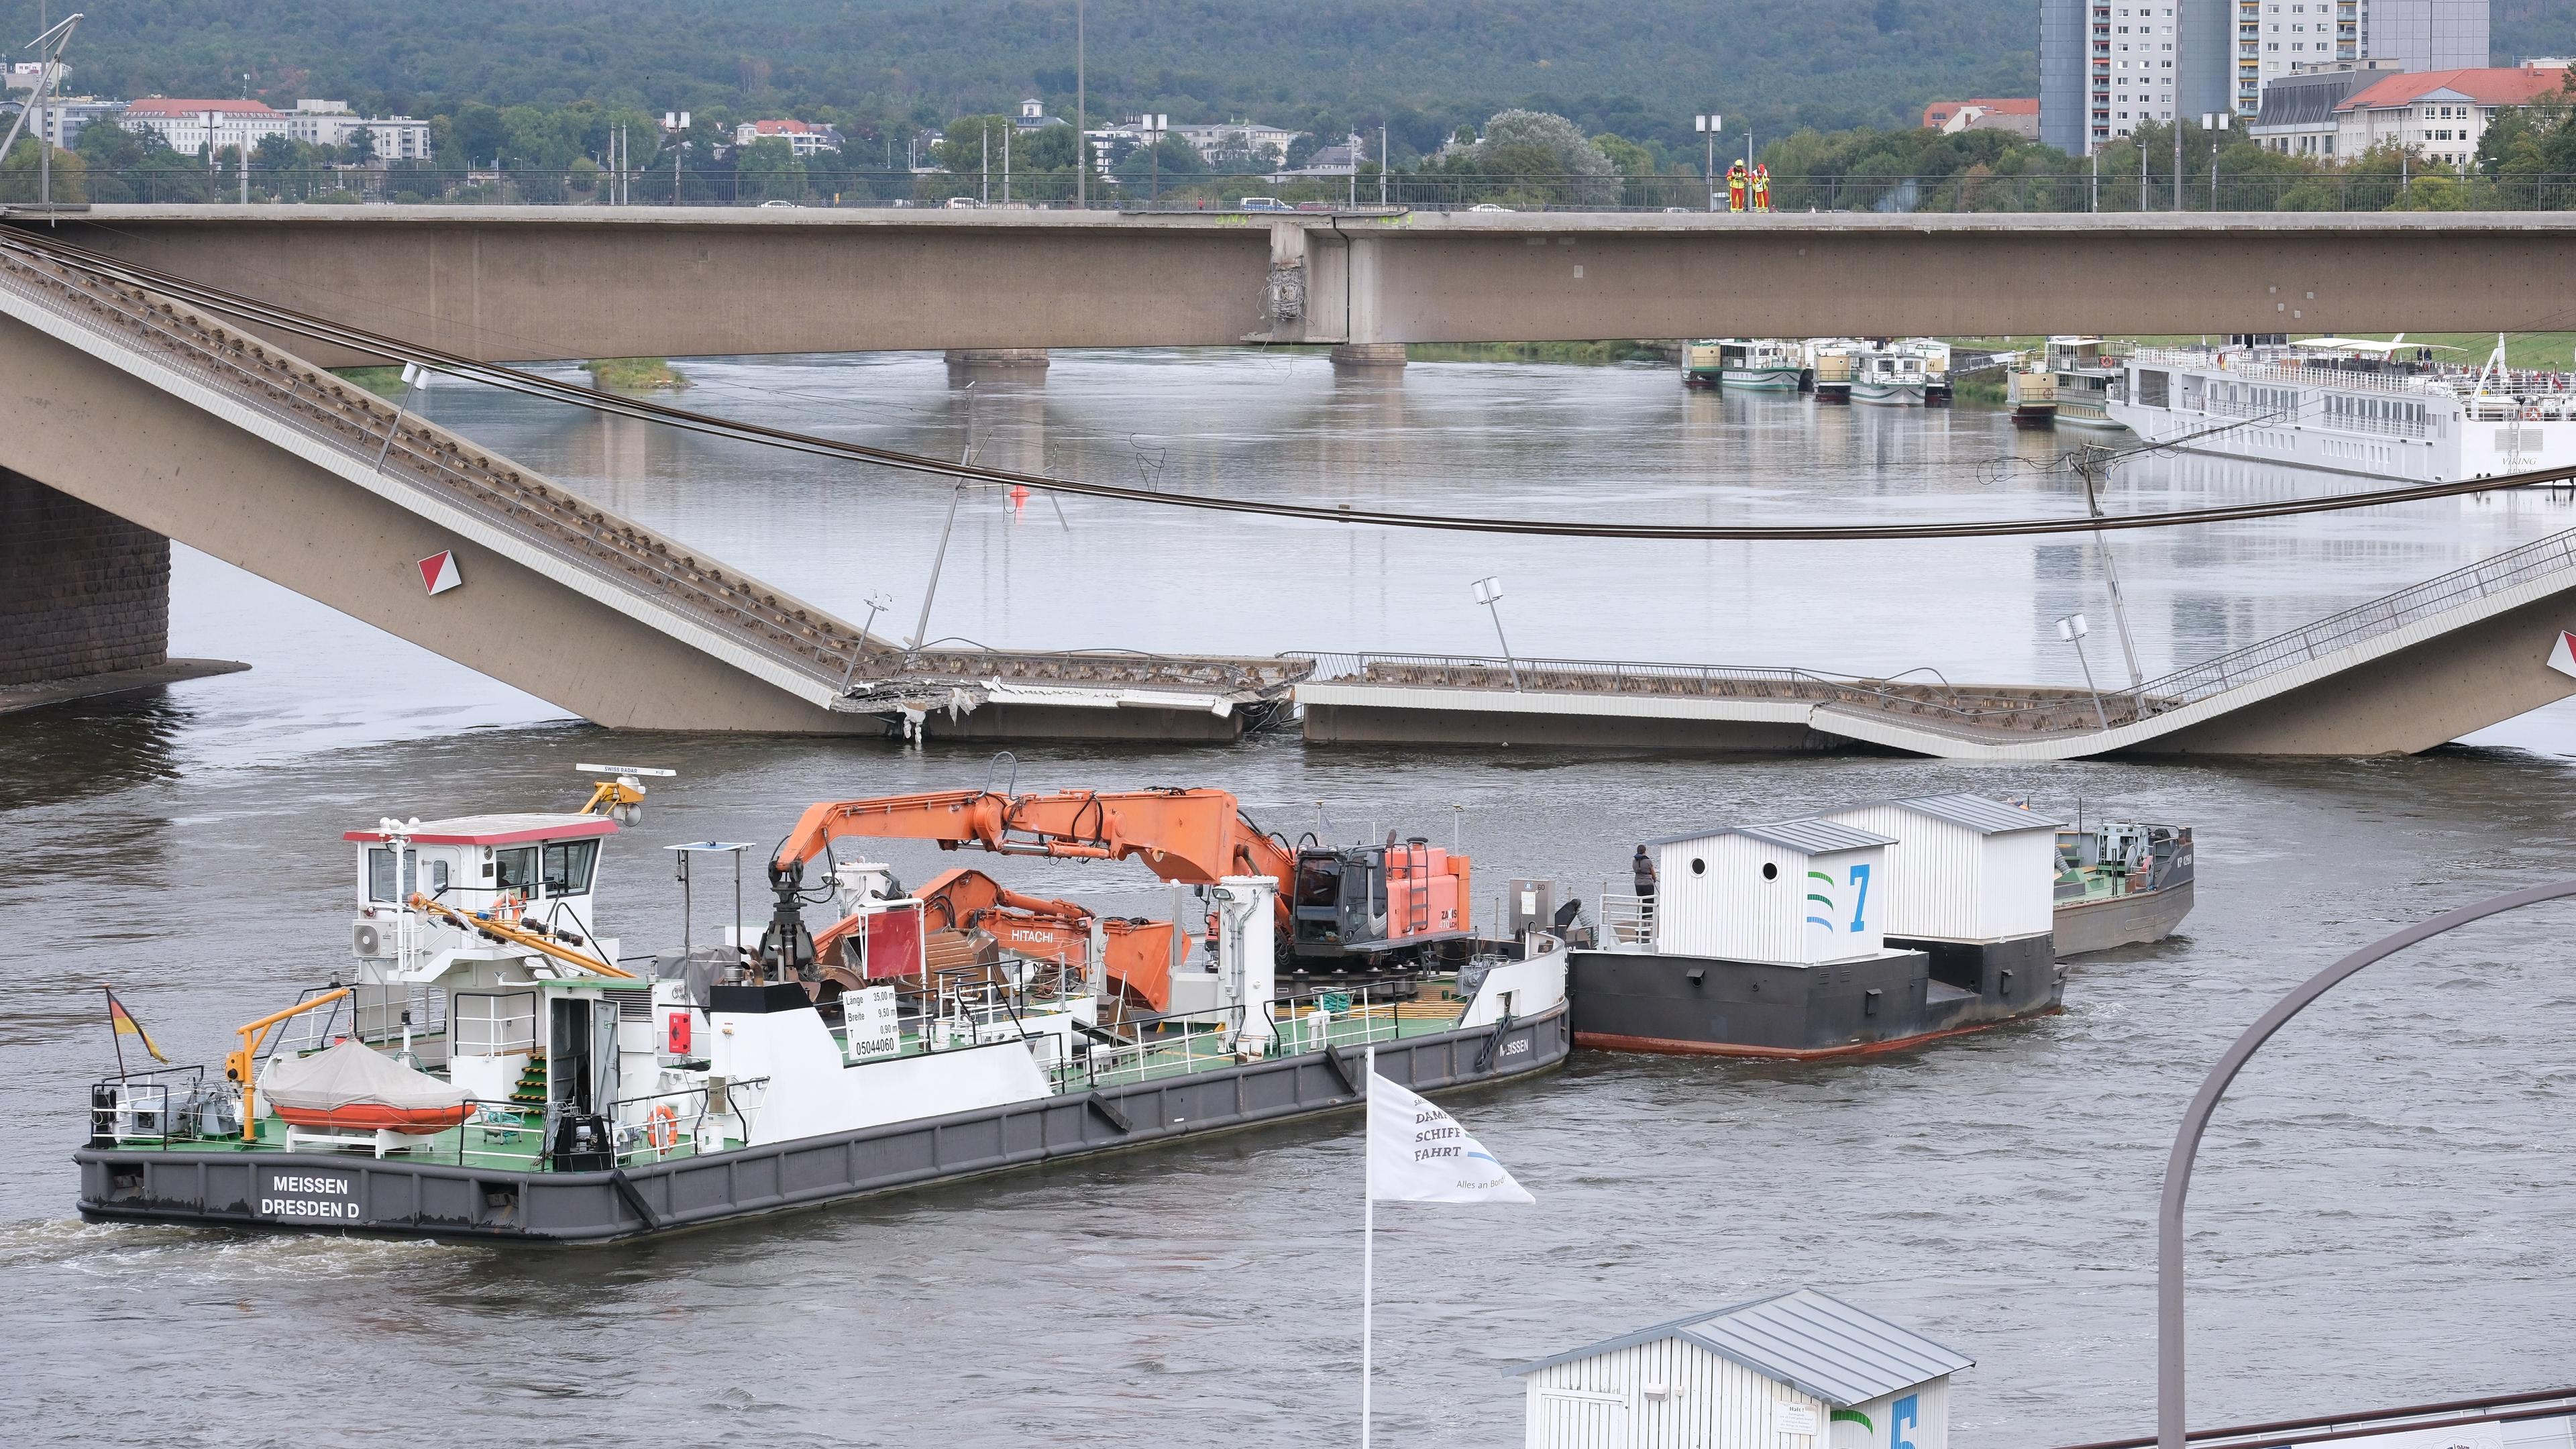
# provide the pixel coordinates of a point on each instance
(2348, 405)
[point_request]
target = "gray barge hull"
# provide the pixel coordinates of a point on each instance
(2130, 920)
(331, 1192)
(1629, 1001)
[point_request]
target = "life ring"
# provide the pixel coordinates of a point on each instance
(662, 1127)
(2531, 415)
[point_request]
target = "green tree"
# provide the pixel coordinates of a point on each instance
(769, 170)
(20, 181)
(1520, 144)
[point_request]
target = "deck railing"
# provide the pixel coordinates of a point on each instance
(1972, 711)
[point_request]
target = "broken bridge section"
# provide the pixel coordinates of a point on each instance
(132, 407)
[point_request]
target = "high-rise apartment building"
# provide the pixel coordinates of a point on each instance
(2106, 66)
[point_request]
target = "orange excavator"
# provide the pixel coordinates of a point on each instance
(1369, 907)
(1137, 955)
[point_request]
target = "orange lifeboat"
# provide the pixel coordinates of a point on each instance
(355, 1088)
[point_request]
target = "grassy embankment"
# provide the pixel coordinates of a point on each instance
(608, 374)
(1619, 350)
(634, 374)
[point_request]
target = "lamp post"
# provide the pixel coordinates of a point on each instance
(1709, 125)
(1081, 118)
(2170, 1403)
(2072, 629)
(1489, 592)
(677, 123)
(1154, 127)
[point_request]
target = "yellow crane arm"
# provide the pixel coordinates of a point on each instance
(239, 1065)
(515, 935)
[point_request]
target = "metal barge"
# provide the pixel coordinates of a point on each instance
(1863, 930)
(496, 1071)
(2121, 884)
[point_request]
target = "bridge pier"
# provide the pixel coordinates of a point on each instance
(82, 591)
(971, 360)
(1368, 354)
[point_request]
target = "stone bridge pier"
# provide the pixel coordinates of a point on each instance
(85, 596)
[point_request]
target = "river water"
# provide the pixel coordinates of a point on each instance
(2381, 1210)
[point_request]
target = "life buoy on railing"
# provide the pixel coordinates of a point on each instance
(662, 1128)
(2531, 415)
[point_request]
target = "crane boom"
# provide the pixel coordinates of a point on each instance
(1189, 837)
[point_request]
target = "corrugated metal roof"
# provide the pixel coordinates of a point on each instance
(1813, 1342)
(1809, 837)
(1977, 813)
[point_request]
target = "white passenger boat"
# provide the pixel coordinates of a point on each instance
(489, 1066)
(2084, 378)
(1763, 364)
(2347, 405)
(1888, 378)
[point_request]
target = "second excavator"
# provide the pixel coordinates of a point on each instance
(1363, 909)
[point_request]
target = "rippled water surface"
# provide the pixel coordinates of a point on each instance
(2382, 1210)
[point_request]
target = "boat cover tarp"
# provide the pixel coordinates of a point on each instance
(353, 1074)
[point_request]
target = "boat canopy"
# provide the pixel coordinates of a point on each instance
(353, 1074)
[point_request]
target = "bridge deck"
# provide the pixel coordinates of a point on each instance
(2432, 661)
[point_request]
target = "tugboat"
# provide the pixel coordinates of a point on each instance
(491, 1067)
(2121, 883)
(1860, 931)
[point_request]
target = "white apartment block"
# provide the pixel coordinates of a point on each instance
(2274, 36)
(331, 123)
(2439, 115)
(2132, 65)
(804, 138)
(192, 125)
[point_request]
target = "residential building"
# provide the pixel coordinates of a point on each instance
(332, 123)
(1235, 140)
(2297, 117)
(1341, 160)
(804, 137)
(1033, 116)
(63, 119)
(24, 75)
(192, 125)
(2107, 68)
(2276, 37)
(2439, 115)
(2017, 114)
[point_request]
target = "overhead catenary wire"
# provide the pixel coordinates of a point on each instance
(394, 350)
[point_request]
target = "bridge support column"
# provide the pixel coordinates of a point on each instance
(82, 591)
(1368, 354)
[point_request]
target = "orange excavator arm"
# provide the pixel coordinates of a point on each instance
(1191, 837)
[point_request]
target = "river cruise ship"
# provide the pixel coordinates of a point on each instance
(487, 1064)
(2349, 406)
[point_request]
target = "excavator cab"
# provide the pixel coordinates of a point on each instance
(1374, 901)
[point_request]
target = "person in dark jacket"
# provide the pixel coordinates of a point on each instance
(1644, 868)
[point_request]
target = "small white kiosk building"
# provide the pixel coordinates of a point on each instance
(1799, 892)
(1797, 1371)
(1962, 867)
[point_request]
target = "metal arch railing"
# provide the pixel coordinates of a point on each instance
(1971, 711)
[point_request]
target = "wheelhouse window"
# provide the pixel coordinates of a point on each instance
(515, 869)
(381, 881)
(567, 867)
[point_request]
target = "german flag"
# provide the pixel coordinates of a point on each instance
(125, 1024)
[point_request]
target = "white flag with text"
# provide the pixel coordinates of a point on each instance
(1419, 1153)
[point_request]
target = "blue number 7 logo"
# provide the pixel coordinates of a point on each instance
(1860, 903)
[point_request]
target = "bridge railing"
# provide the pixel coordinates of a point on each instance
(1971, 711)
(826, 182)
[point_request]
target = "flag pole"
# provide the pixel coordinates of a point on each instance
(1368, 1251)
(113, 1034)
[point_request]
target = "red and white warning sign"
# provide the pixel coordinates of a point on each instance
(2562, 655)
(438, 572)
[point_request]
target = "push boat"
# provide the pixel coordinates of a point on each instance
(2350, 405)
(493, 1068)
(1763, 364)
(2121, 883)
